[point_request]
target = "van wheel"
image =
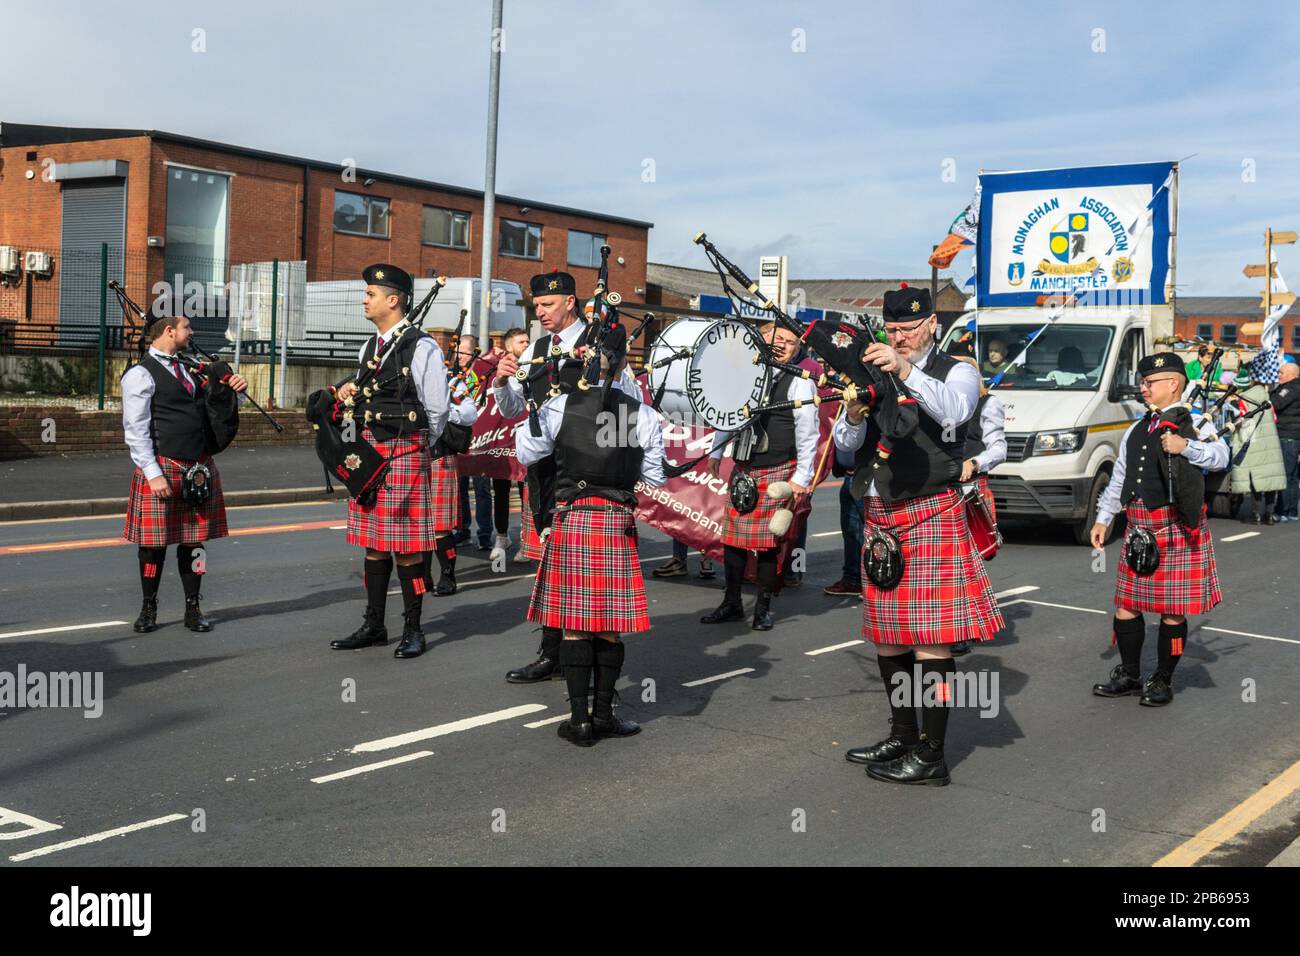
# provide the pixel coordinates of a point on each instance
(1083, 529)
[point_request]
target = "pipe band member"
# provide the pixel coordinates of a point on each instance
(589, 584)
(165, 423)
(915, 525)
(1185, 579)
(444, 479)
(401, 409)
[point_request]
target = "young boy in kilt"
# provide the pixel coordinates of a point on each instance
(790, 456)
(164, 420)
(944, 595)
(589, 584)
(444, 477)
(401, 409)
(1186, 580)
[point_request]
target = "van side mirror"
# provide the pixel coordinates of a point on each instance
(1124, 391)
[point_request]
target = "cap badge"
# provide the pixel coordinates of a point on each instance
(379, 273)
(553, 284)
(1159, 363)
(916, 306)
(353, 462)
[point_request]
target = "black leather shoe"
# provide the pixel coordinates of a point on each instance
(614, 726)
(412, 644)
(148, 619)
(912, 769)
(194, 618)
(793, 579)
(891, 748)
(446, 584)
(763, 620)
(726, 612)
(1119, 685)
(1157, 691)
(371, 631)
(544, 668)
(583, 735)
(960, 648)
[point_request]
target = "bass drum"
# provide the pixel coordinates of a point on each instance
(715, 378)
(981, 517)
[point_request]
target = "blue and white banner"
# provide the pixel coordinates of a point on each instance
(1100, 233)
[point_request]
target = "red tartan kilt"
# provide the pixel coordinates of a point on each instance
(590, 578)
(157, 522)
(400, 519)
(530, 545)
(444, 478)
(945, 595)
(1187, 580)
(751, 531)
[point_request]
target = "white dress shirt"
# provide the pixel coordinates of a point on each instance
(530, 448)
(463, 409)
(510, 397)
(427, 372)
(993, 419)
(137, 410)
(1210, 453)
(805, 432)
(950, 400)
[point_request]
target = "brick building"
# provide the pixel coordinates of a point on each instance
(1222, 319)
(185, 206)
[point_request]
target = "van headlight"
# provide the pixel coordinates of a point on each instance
(1061, 442)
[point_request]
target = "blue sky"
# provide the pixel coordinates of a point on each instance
(832, 156)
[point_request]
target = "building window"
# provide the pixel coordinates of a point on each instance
(1229, 334)
(1205, 331)
(584, 249)
(1295, 336)
(360, 215)
(522, 239)
(197, 221)
(445, 227)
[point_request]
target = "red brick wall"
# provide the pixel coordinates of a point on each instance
(1185, 327)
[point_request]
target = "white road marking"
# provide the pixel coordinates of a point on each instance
(97, 837)
(709, 680)
(1064, 607)
(1012, 592)
(1262, 637)
(549, 720)
(62, 630)
(1242, 536)
(824, 534)
(366, 768)
(834, 647)
(441, 730)
(338, 527)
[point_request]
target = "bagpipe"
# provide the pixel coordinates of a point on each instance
(220, 401)
(455, 438)
(1184, 486)
(342, 449)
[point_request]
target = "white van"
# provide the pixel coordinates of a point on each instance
(1067, 406)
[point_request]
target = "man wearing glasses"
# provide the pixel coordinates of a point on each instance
(914, 508)
(1185, 580)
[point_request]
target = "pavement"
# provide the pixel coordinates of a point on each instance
(257, 744)
(61, 486)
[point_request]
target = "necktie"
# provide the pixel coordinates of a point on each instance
(176, 370)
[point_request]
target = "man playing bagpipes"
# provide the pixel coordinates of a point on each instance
(555, 303)
(1168, 563)
(589, 584)
(786, 455)
(398, 403)
(445, 477)
(167, 420)
(924, 586)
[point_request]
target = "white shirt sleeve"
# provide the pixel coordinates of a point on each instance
(1210, 451)
(805, 431)
(950, 400)
(137, 399)
(430, 377)
(510, 396)
(530, 448)
(650, 435)
(1109, 504)
(463, 411)
(992, 425)
(848, 437)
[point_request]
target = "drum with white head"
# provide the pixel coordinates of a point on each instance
(714, 378)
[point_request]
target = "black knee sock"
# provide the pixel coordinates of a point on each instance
(576, 658)
(377, 575)
(151, 566)
(427, 567)
(191, 558)
(936, 702)
(1128, 637)
(766, 569)
(1170, 646)
(411, 577)
(446, 554)
(552, 639)
(609, 664)
(733, 566)
(898, 690)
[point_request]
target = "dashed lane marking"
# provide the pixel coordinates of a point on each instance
(441, 730)
(97, 837)
(709, 680)
(549, 720)
(1262, 637)
(1012, 592)
(1241, 537)
(834, 647)
(1064, 607)
(366, 768)
(61, 630)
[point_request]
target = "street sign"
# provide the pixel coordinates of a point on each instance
(1256, 270)
(1276, 298)
(1283, 238)
(1252, 328)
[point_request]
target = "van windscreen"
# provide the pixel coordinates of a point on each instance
(1059, 357)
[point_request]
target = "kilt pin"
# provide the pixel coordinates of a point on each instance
(153, 522)
(589, 578)
(945, 595)
(751, 531)
(400, 518)
(1187, 579)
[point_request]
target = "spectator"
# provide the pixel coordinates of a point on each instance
(997, 358)
(482, 484)
(515, 341)
(675, 567)
(1286, 404)
(1257, 470)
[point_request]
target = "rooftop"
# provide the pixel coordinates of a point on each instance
(843, 295)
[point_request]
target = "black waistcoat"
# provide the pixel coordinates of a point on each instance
(388, 394)
(541, 474)
(178, 421)
(778, 426)
(596, 450)
(925, 463)
(975, 430)
(1146, 468)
